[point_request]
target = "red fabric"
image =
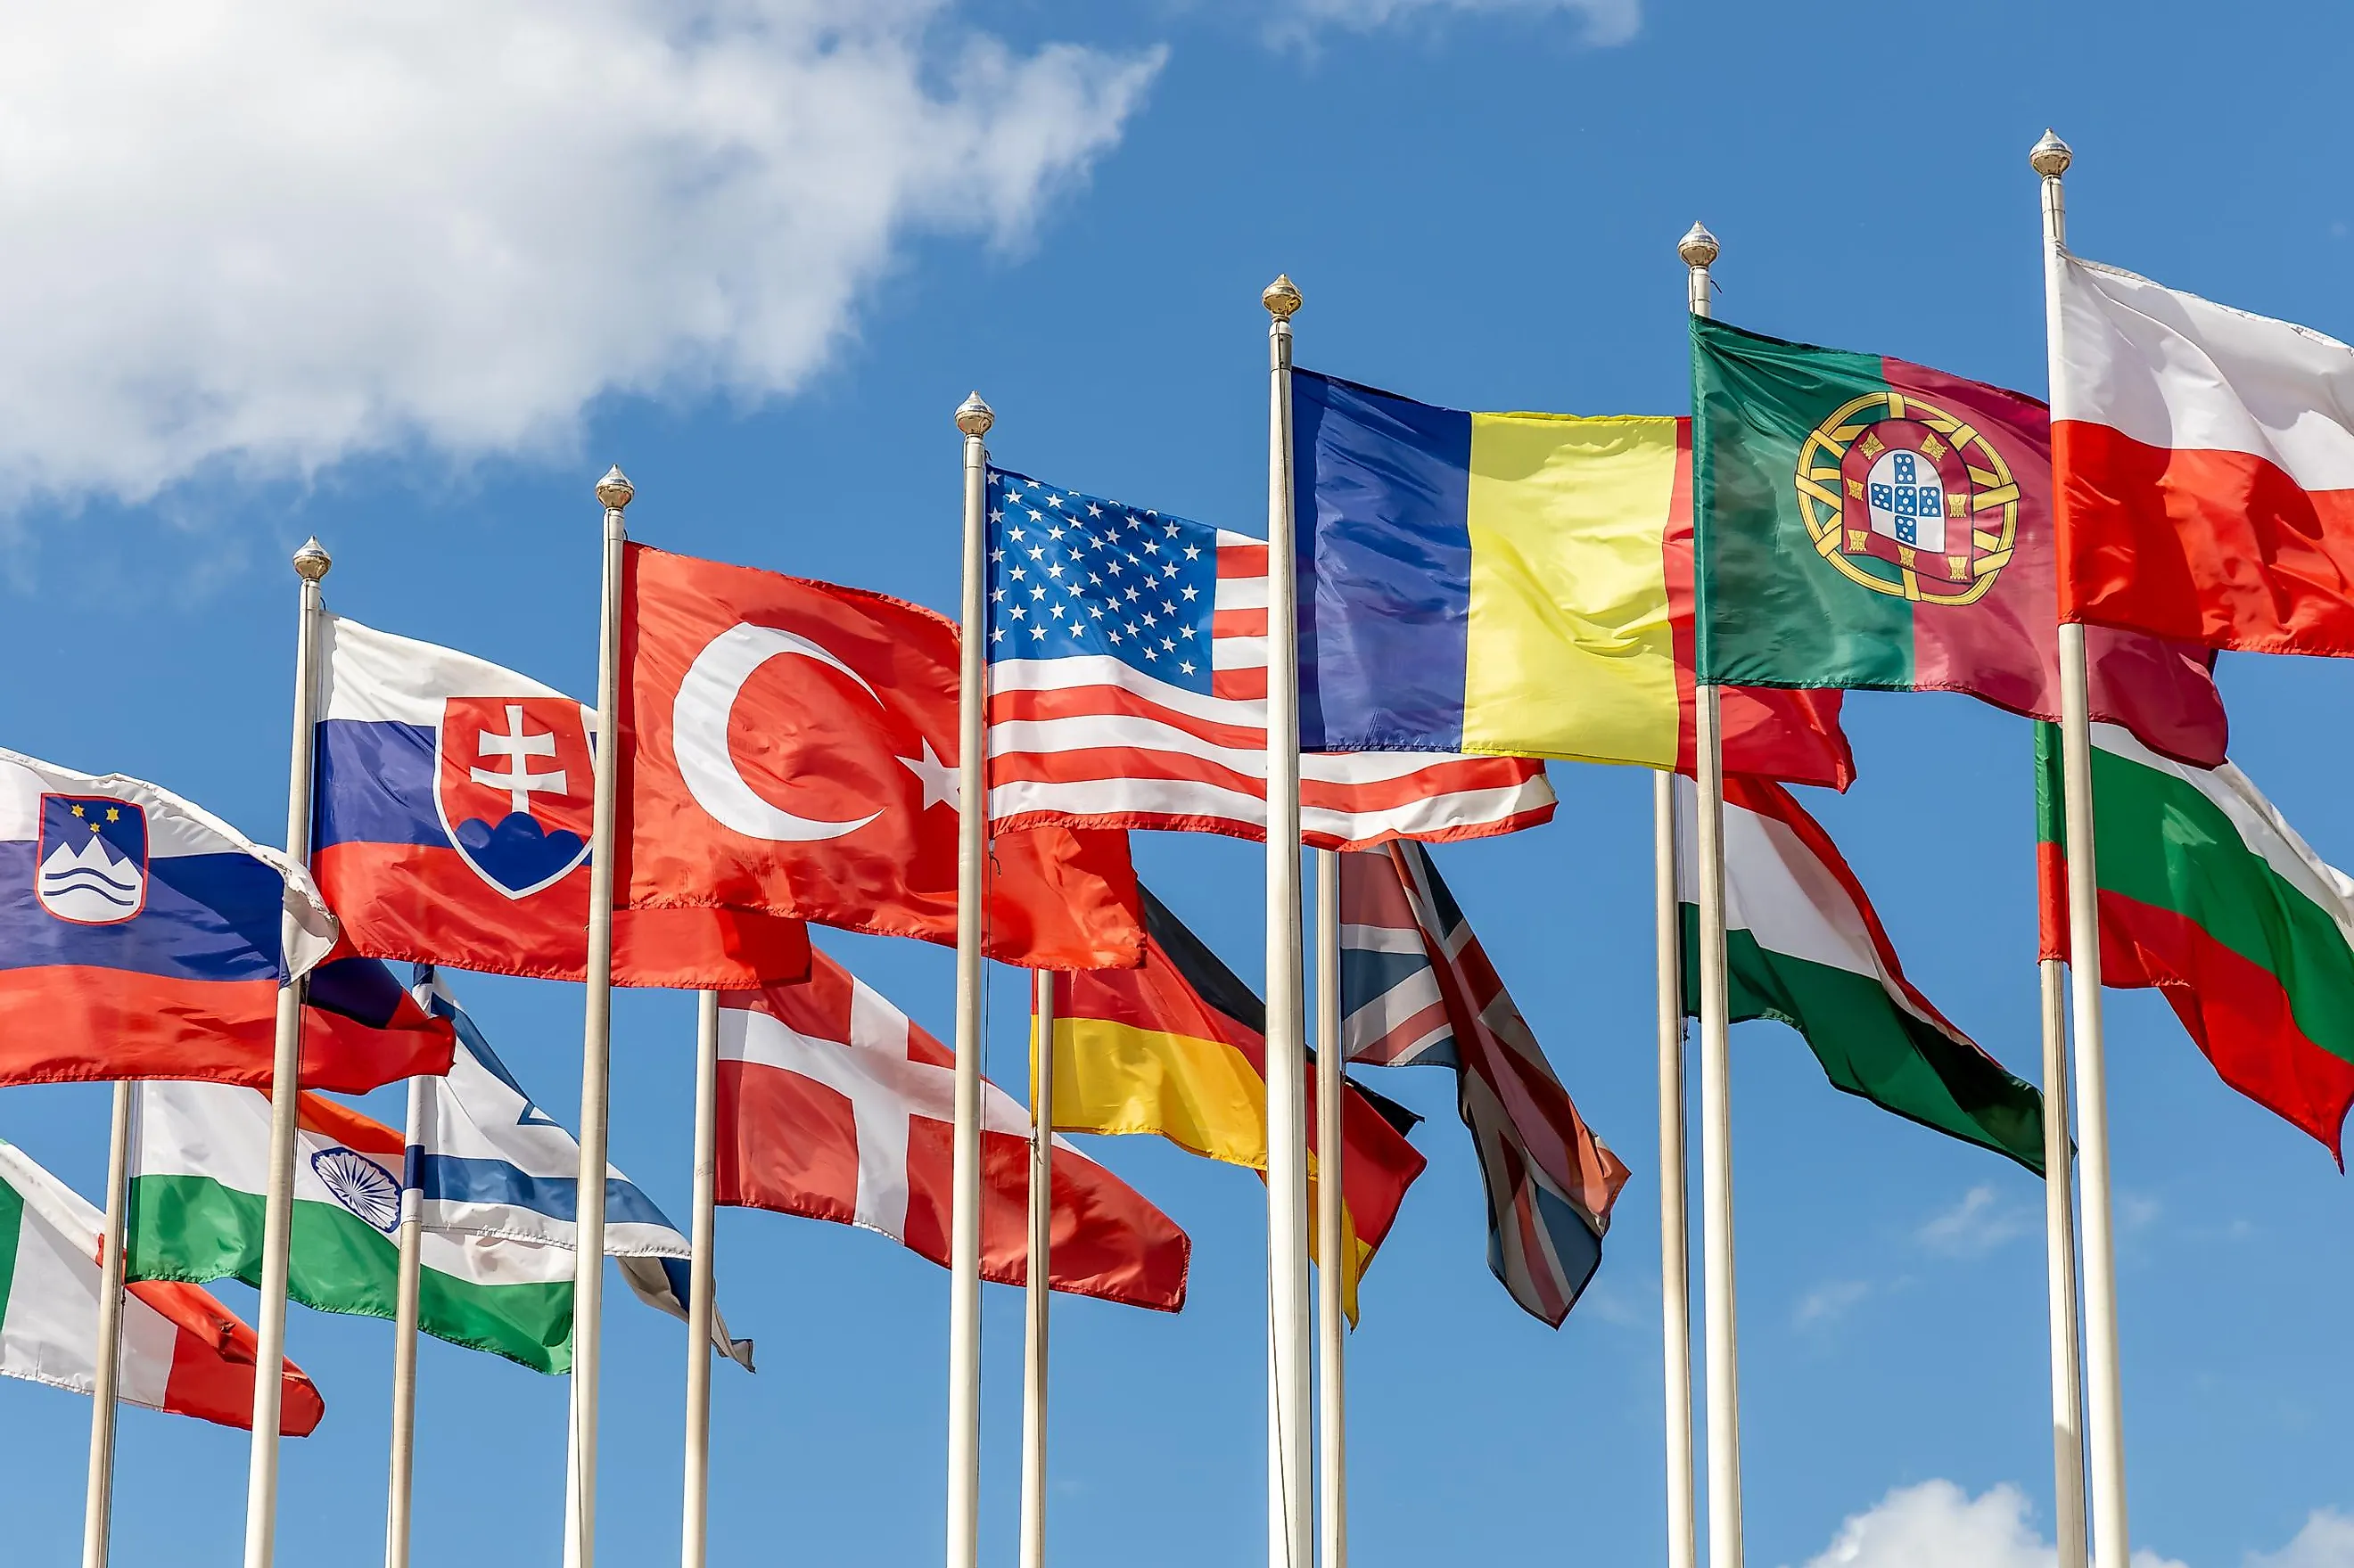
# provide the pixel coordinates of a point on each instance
(797, 734)
(2221, 548)
(789, 1143)
(423, 905)
(1792, 736)
(65, 1024)
(213, 1360)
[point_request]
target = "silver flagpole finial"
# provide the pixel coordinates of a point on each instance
(311, 561)
(615, 489)
(1698, 246)
(974, 417)
(1280, 297)
(2050, 156)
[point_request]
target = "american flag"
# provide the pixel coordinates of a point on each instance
(1128, 689)
(1417, 989)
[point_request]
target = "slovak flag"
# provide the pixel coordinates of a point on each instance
(140, 937)
(791, 745)
(453, 827)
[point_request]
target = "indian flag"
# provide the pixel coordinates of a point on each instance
(1803, 946)
(197, 1200)
(182, 1351)
(2208, 893)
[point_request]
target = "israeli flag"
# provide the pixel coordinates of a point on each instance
(491, 1163)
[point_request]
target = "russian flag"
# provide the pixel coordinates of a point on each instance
(450, 826)
(141, 937)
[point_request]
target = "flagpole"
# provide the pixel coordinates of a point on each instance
(1037, 1286)
(1288, 1476)
(97, 1498)
(614, 491)
(1675, 1225)
(1699, 249)
(311, 564)
(2060, 1253)
(2104, 1403)
(695, 1529)
(1332, 1388)
(974, 417)
(402, 1490)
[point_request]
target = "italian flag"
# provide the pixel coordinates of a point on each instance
(197, 1201)
(1804, 946)
(182, 1351)
(2208, 893)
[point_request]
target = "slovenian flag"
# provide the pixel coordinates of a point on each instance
(141, 937)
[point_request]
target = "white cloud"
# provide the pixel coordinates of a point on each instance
(1829, 1301)
(2325, 1542)
(1605, 22)
(1937, 1525)
(1977, 1226)
(272, 233)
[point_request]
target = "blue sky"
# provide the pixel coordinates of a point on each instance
(410, 282)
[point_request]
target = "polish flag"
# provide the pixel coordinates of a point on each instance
(834, 1106)
(2204, 460)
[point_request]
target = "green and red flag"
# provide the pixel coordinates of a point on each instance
(2208, 893)
(1868, 522)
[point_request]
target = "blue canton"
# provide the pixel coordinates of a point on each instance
(1072, 574)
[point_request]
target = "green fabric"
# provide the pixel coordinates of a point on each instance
(1870, 1047)
(12, 1226)
(1771, 612)
(193, 1228)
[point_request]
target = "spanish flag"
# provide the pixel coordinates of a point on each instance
(1178, 1047)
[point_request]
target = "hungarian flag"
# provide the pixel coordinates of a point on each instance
(1867, 522)
(834, 1106)
(791, 746)
(183, 1351)
(2209, 895)
(1178, 1047)
(2205, 458)
(1804, 946)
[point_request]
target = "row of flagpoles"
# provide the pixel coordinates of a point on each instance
(1307, 1498)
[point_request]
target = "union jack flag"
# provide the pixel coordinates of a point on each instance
(1417, 989)
(1128, 658)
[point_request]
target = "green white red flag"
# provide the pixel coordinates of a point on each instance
(2208, 893)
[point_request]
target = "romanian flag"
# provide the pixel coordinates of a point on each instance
(1178, 1047)
(1513, 584)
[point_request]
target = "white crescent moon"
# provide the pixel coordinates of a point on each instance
(698, 727)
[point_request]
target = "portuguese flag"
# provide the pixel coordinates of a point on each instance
(2209, 895)
(1804, 946)
(1863, 522)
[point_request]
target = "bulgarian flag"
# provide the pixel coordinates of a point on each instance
(1867, 522)
(197, 1195)
(1804, 946)
(2208, 893)
(182, 1351)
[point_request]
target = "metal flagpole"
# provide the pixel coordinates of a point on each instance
(614, 490)
(973, 418)
(1675, 1229)
(404, 1341)
(1332, 1388)
(311, 564)
(2104, 1405)
(694, 1534)
(1698, 248)
(1289, 1471)
(98, 1498)
(2060, 1253)
(1037, 1292)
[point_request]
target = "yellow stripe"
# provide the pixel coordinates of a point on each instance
(1569, 650)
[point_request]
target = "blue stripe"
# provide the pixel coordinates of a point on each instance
(457, 1179)
(362, 990)
(208, 917)
(374, 785)
(1382, 497)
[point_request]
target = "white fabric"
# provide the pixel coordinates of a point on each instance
(377, 677)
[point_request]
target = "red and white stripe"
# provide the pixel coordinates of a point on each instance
(1090, 742)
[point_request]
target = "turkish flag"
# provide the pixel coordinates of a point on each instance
(791, 746)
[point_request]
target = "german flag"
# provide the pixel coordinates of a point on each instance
(1178, 1047)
